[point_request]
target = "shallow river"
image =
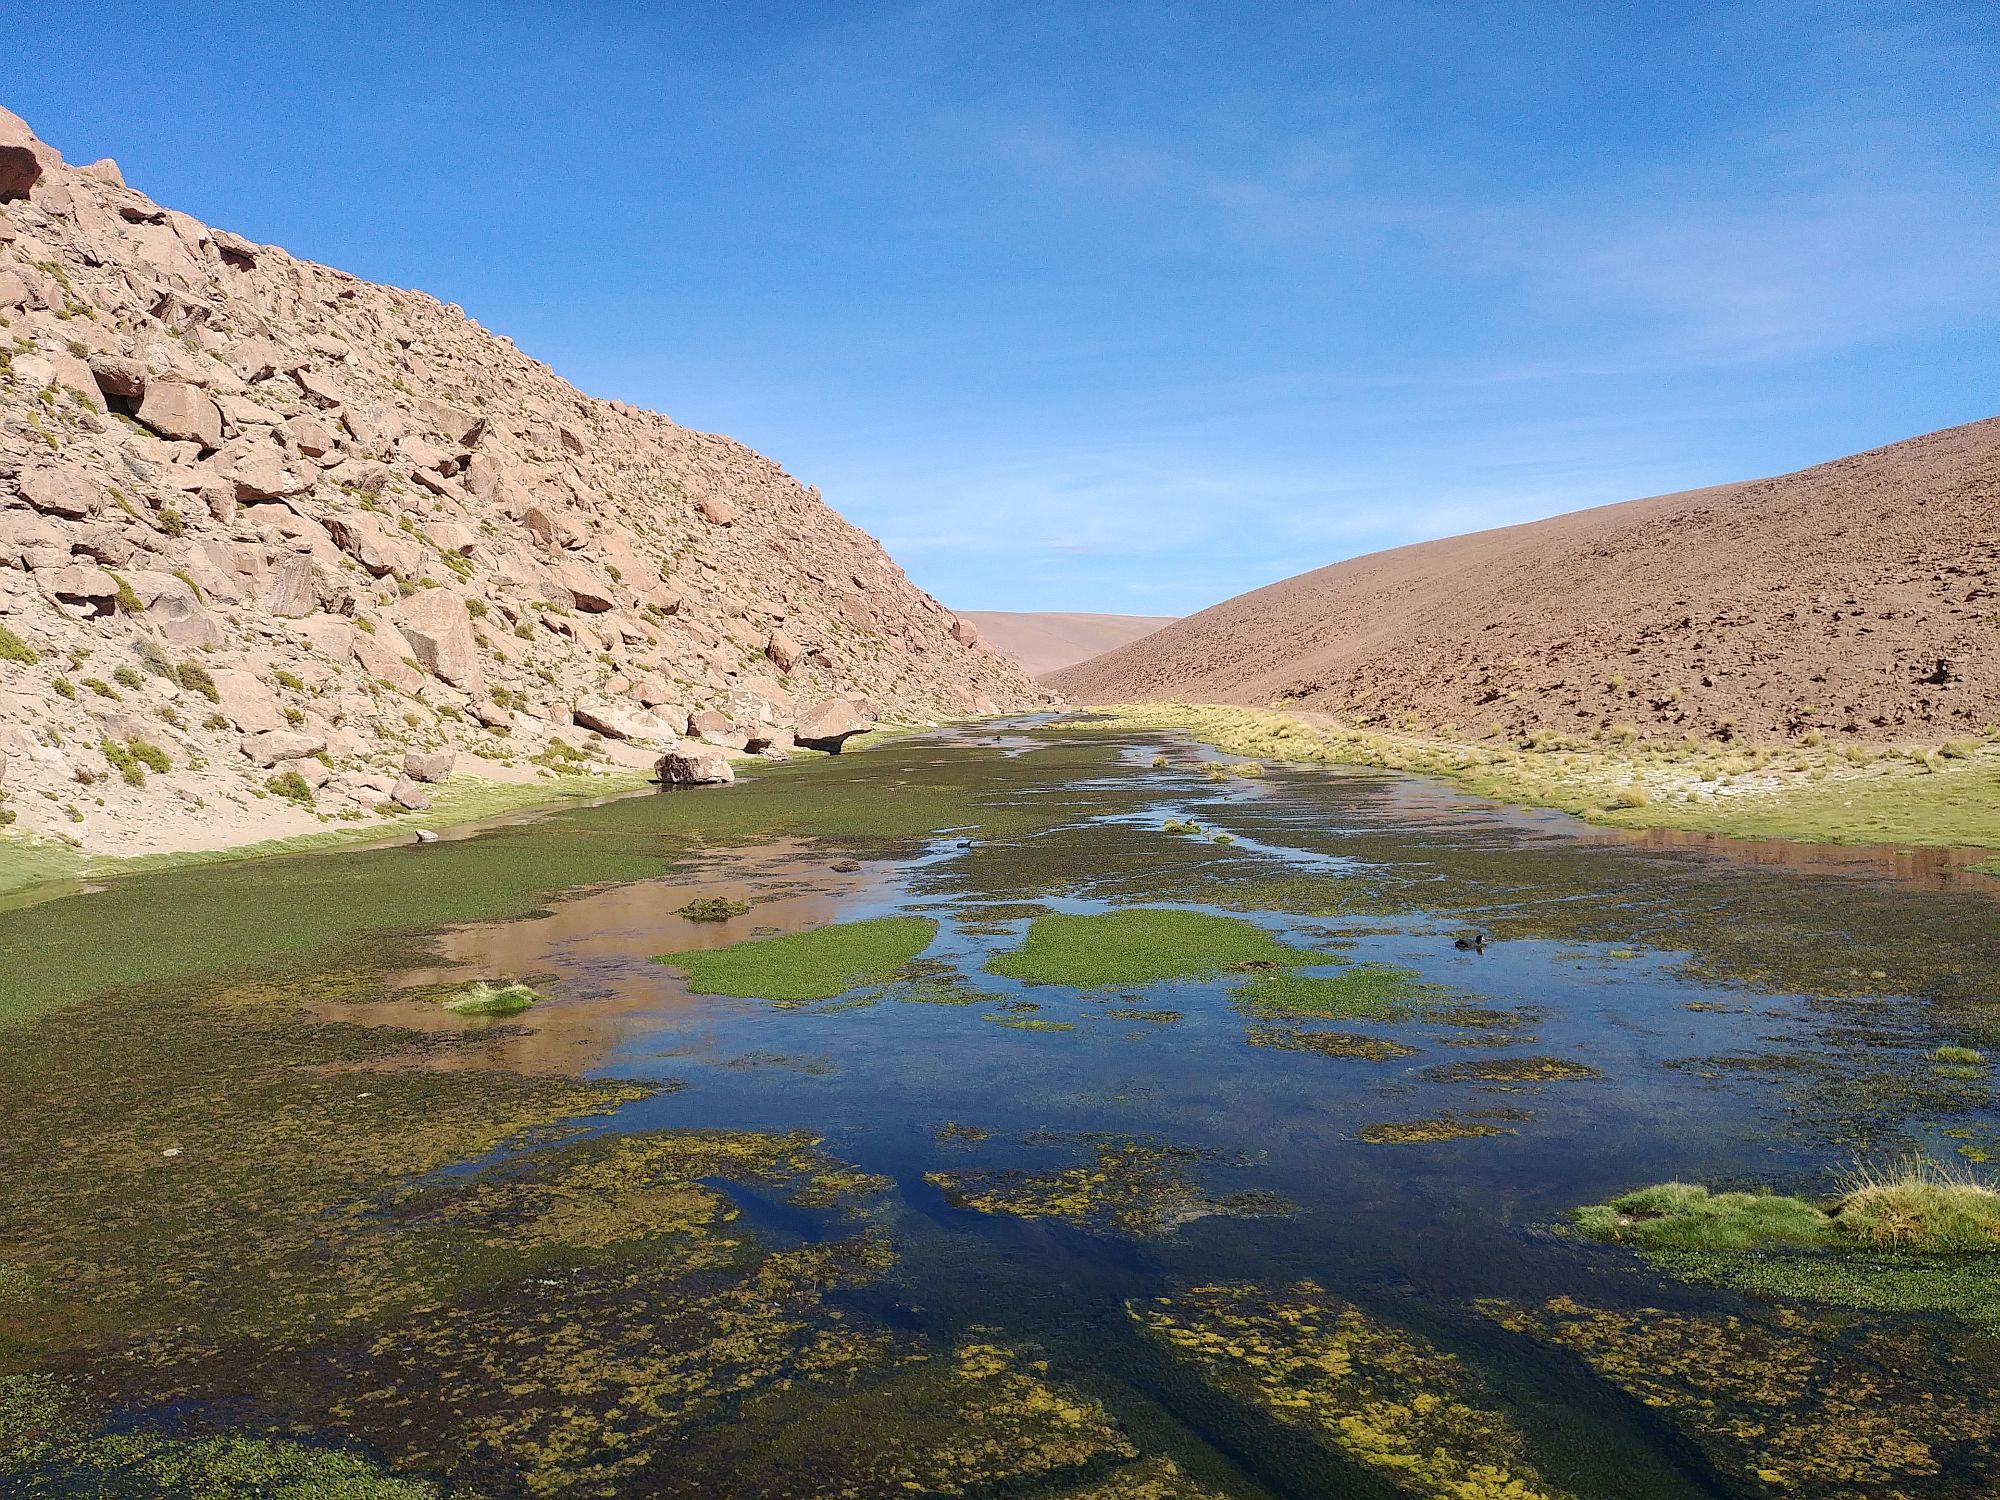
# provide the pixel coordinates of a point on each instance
(952, 1230)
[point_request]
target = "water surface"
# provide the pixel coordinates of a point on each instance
(1042, 1241)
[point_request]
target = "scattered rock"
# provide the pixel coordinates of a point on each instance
(429, 765)
(624, 721)
(274, 745)
(695, 765)
(175, 409)
(407, 793)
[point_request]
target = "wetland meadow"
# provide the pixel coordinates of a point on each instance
(1050, 1108)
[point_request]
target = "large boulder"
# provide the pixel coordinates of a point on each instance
(439, 631)
(275, 745)
(378, 546)
(590, 588)
(717, 729)
(695, 765)
(68, 491)
(784, 652)
(624, 721)
(174, 409)
(428, 765)
(85, 590)
(247, 700)
(828, 725)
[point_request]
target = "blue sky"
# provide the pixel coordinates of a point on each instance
(1131, 307)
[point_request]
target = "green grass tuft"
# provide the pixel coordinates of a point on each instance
(13, 648)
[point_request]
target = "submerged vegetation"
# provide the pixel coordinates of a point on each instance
(1131, 1186)
(1416, 1417)
(1773, 1402)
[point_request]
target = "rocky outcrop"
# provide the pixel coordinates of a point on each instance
(249, 503)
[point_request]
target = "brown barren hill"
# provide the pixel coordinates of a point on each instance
(280, 547)
(1044, 641)
(1860, 598)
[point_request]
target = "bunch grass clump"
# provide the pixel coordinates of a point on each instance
(483, 999)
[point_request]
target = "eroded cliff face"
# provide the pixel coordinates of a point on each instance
(262, 522)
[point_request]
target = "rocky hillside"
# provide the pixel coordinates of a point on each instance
(1043, 641)
(1860, 599)
(276, 543)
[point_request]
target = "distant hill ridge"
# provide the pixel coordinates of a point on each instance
(1860, 598)
(1043, 641)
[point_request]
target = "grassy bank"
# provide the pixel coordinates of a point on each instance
(30, 866)
(1932, 795)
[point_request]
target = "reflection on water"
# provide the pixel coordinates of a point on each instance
(956, 1233)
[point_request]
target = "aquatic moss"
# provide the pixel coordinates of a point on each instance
(49, 1447)
(1328, 1043)
(713, 909)
(1777, 1402)
(1141, 945)
(979, 1417)
(484, 999)
(1414, 1416)
(1509, 1070)
(1417, 1132)
(818, 964)
(1359, 992)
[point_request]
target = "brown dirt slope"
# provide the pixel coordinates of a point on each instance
(274, 523)
(1860, 597)
(1046, 640)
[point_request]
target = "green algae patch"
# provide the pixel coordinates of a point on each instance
(1417, 1418)
(1778, 1403)
(1421, 1132)
(1140, 945)
(819, 964)
(1122, 1184)
(1359, 992)
(980, 1417)
(1328, 1043)
(1510, 1070)
(49, 1447)
(484, 999)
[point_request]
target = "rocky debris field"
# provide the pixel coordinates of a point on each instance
(279, 547)
(1857, 600)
